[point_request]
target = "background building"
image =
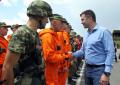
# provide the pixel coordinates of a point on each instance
(116, 37)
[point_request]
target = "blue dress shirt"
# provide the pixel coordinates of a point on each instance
(97, 48)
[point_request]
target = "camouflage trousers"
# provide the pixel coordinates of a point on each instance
(30, 80)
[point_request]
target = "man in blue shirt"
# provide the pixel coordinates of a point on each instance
(98, 49)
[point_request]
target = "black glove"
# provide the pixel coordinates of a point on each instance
(2, 50)
(2, 82)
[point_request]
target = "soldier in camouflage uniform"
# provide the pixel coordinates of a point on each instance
(25, 41)
(13, 28)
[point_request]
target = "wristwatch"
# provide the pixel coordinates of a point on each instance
(107, 74)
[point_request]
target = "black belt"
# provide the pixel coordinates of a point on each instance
(89, 65)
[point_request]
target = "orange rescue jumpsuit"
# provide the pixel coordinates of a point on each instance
(3, 49)
(64, 65)
(9, 37)
(52, 55)
(78, 43)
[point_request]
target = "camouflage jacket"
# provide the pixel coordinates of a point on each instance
(24, 41)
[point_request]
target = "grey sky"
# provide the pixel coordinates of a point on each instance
(107, 12)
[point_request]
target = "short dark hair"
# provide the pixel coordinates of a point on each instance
(89, 13)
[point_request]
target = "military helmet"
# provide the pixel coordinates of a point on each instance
(39, 8)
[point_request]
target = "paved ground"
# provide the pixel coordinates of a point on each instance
(115, 76)
(80, 81)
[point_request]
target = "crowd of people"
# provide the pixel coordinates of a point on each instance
(53, 56)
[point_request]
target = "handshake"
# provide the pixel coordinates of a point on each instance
(69, 57)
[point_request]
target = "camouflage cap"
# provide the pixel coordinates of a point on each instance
(15, 26)
(3, 24)
(73, 34)
(65, 21)
(70, 27)
(56, 17)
